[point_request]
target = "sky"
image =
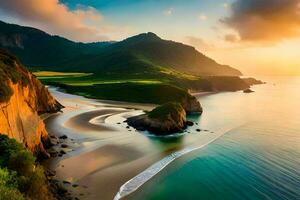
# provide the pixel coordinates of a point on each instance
(256, 36)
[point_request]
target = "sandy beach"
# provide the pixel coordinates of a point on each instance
(103, 152)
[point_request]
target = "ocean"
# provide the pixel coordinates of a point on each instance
(257, 157)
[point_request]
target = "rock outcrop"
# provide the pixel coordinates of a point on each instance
(248, 91)
(253, 81)
(23, 99)
(163, 120)
(191, 104)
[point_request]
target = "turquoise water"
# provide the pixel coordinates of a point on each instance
(259, 158)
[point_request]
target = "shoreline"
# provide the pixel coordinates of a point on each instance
(142, 178)
(111, 152)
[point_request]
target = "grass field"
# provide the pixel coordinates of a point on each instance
(116, 88)
(55, 75)
(89, 79)
(151, 88)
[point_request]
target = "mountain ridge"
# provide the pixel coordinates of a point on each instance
(40, 51)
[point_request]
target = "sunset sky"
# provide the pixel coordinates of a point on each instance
(255, 36)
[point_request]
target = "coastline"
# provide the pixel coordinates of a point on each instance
(111, 152)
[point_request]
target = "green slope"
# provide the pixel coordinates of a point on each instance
(142, 68)
(36, 48)
(141, 54)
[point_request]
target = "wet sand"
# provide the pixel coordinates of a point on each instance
(106, 153)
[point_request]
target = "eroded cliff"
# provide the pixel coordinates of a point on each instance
(22, 99)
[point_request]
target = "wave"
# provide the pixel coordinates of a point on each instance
(136, 182)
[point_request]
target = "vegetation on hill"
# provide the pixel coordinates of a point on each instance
(165, 111)
(9, 70)
(20, 176)
(142, 54)
(157, 93)
(37, 48)
(142, 68)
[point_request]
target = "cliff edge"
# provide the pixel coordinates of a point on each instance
(22, 99)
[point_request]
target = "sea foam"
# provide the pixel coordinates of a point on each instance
(140, 179)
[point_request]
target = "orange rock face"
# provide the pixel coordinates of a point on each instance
(19, 116)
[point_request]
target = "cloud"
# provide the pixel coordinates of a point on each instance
(169, 12)
(81, 24)
(231, 38)
(264, 21)
(202, 17)
(199, 43)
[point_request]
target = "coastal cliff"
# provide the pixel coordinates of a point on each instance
(23, 99)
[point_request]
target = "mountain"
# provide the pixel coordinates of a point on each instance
(37, 48)
(23, 99)
(142, 54)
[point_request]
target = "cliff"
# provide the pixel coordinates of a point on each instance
(22, 99)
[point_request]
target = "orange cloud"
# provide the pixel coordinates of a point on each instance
(265, 21)
(231, 38)
(81, 24)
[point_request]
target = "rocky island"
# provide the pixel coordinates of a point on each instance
(163, 120)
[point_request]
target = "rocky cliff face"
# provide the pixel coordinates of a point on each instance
(191, 105)
(163, 120)
(22, 99)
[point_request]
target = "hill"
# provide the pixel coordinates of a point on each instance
(142, 54)
(36, 48)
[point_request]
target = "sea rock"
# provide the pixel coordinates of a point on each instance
(61, 190)
(63, 137)
(191, 104)
(52, 152)
(189, 123)
(252, 81)
(64, 145)
(62, 152)
(163, 120)
(248, 90)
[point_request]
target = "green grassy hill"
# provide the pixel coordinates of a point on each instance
(143, 54)
(142, 68)
(36, 48)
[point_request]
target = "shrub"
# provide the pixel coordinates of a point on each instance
(7, 193)
(7, 148)
(23, 162)
(8, 178)
(22, 175)
(37, 187)
(8, 186)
